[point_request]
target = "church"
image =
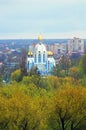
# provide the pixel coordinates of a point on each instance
(40, 58)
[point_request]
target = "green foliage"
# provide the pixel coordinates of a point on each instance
(34, 71)
(16, 76)
(1, 84)
(56, 70)
(82, 66)
(65, 64)
(84, 63)
(70, 106)
(74, 72)
(83, 81)
(23, 63)
(43, 103)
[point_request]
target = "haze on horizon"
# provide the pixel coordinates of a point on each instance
(56, 19)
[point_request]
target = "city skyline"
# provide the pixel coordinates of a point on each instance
(53, 19)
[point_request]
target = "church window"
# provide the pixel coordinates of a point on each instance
(35, 58)
(28, 65)
(43, 57)
(48, 65)
(39, 58)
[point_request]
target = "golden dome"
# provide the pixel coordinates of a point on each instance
(50, 53)
(40, 37)
(30, 53)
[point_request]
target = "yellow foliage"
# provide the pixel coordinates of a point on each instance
(26, 105)
(16, 75)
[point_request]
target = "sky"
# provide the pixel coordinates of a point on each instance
(51, 18)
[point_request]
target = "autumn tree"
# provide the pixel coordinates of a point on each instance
(59, 105)
(1, 84)
(16, 75)
(34, 71)
(65, 64)
(84, 63)
(56, 71)
(23, 63)
(70, 107)
(74, 72)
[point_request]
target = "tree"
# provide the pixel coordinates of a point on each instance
(34, 71)
(1, 80)
(70, 107)
(23, 63)
(65, 64)
(56, 71)
(16, 75)
(84, 63)
(74, 72)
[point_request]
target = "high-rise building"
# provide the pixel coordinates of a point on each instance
(76, 45)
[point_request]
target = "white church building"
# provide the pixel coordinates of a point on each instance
(40, 58)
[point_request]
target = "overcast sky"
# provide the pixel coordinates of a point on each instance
(56, 18)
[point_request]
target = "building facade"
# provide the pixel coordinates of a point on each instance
(40, 58)
(76, 45)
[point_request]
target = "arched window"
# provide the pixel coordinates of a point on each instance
(35, 58)
(48, 66)
(39, 58)
(28, 65)
(44, 57)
